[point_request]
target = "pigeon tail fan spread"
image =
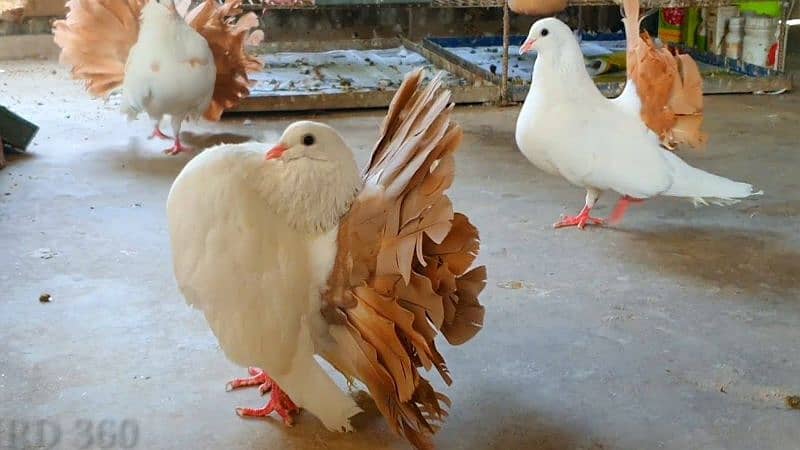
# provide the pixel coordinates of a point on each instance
(665, 89)
(402, 273)
(228, 33)
(96, 38)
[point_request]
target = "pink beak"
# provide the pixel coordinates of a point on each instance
(276, 152)
(527, 46)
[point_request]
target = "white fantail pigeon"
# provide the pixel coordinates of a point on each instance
(567, 127)
(290, 253)
(167, 60)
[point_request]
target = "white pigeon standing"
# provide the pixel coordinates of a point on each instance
(170, 71)
(567, 127)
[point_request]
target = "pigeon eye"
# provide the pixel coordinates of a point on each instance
(545, 32)
(308, 140)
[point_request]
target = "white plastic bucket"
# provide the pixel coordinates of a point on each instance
(759, 35)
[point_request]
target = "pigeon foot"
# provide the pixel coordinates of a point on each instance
(176, 148)
(257, 378)
(581, 220)
(157, 133)
(279, 401)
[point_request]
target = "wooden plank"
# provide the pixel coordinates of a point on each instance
(721, 84)
(352, 100)
(441, 60)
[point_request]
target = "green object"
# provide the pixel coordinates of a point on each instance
(702, 32)
(689, 28)
(771, 9)
(670, 24)
(16, 133)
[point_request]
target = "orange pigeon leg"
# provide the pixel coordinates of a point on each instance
(157, 133)
(622, 207)
(279, 402)
(581, 220)
(176, 148)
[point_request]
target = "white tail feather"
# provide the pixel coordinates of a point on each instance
(700, 185)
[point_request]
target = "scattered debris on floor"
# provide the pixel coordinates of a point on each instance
(511, 285)
(43, 253)
(338, 71)
(45, 298)
(793, 401)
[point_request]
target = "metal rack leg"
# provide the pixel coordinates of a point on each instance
(783, 36)
(505, 97)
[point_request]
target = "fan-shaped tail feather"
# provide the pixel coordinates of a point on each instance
(95, 39)
(402, 274)
(228, 33)
(669, 86)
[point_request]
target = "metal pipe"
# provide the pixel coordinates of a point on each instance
(505, 97)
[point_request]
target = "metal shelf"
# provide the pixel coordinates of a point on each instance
(310, 4)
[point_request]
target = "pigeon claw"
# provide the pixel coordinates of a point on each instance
(581, 220)
(279, 403)
(176, 148)
(157, 133)
(257, 378)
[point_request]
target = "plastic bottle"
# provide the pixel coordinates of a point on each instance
(759, 36)
(733, 39)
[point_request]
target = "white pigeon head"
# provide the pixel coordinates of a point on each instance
(159, 9)
(548, 36)
(312, 176)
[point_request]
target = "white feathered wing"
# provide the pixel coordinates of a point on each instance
(226, 266)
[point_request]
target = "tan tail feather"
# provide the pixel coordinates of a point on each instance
(669, 86)
(227, 36)
(401, 275)
(95, 39)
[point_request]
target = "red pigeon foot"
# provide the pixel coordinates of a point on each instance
(279, 403)
(257, 378)
(176, 148)
(157, 133)
(581, 220)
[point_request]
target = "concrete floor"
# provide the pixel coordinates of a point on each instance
(676, 330)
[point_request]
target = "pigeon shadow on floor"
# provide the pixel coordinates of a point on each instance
(202, 141)
(753, 261)
(146, 156)
(511, 423)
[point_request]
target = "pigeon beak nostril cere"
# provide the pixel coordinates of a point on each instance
(527, 46)
(276, 152)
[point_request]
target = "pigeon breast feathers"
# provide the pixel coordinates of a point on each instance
(402, 273)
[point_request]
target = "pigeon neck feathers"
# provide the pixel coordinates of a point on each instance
(311, 195)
